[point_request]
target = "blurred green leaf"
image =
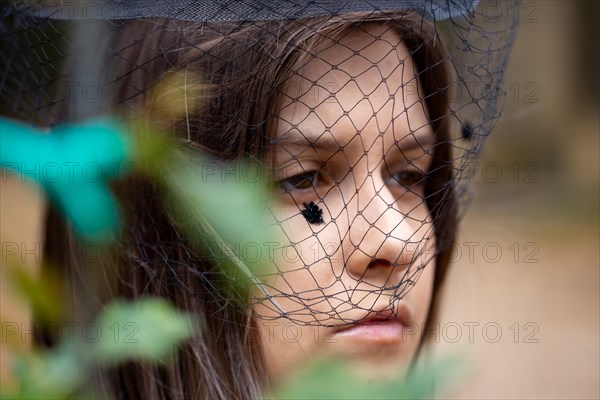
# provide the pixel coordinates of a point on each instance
(152, 149)
(148, 329)
(330, 378)
(227, 209)
(35, 292)
(222, 204)
(73, 163)
(49, 374)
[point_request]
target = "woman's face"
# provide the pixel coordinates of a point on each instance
(352, 136)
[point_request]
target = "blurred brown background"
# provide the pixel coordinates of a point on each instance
(522, 301)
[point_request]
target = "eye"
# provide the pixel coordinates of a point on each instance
(408, 178)
(303, 181)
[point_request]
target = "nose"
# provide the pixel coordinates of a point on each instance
(382, 239)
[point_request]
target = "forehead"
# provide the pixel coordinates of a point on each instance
(357, 51)
(362, 81)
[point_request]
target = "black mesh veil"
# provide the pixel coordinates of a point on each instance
(368, 113)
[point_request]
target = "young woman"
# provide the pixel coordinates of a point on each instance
(351, 115)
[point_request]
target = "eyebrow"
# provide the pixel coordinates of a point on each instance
(296, 138)
(422, 141)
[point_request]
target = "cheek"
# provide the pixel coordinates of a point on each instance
(421, 295)
(283, 348)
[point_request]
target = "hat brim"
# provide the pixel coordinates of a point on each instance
(244, 10)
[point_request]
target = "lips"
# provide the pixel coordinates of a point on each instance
(378, 327)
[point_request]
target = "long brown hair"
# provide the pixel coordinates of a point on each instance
(241, 93)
